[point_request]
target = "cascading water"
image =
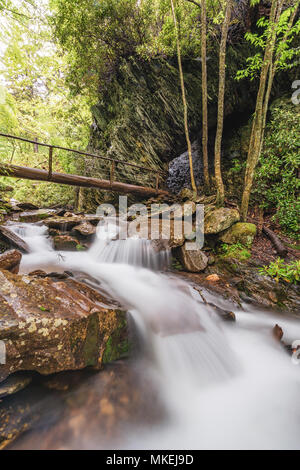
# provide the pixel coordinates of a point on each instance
(225, 386)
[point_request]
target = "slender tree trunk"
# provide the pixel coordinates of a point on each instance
(185, 108)
(204, 97)
(273, 68)
(220, 119)
(258, 121)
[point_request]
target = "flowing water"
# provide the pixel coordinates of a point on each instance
(221, 385)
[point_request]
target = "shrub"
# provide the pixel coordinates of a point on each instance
(281, 270)
(276, 182)
(237, 250)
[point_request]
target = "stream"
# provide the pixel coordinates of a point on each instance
(196, 382)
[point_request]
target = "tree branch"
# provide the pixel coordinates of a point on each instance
(195, 3)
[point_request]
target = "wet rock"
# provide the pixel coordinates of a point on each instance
(36, 215)
(240, 232)
(164, 234)
(273, 297)
(43, 274)
(14, 384)
(38, 273)
(18, 414)
(245, 278)
(27, 206)
(187, 194)
(65, 224)
(220, 219)
(71, 408)
(277, 332)
(85, 229)
(10, 261)
(192, 260)
(179, 172)
(12, 239)
(53, 232)
(60, 212)
(213, 278)
(226, 315)
(50, 326)
(65, 243)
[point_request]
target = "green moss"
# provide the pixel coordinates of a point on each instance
(80, 247)
(91, 346)
(237, 251)
(118, 345)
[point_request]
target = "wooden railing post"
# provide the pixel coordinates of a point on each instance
(112, 173)
(50, 163)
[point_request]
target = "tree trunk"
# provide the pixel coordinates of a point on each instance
(220, 118)
(274, 68)
(36, 174)
(258, 122)
(204, 97)
(185, 108)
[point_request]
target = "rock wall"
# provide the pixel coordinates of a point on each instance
(140, 118)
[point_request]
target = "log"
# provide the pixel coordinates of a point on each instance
(12, 239)
(278, 245)
(35, 174)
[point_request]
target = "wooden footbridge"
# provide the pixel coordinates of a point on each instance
(114, 184)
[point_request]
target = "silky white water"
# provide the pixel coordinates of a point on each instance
(226, 386)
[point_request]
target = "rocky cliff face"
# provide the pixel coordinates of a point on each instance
(139, 118)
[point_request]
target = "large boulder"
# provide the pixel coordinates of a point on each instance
(10, 261)
(70, 221)
(192, 260)
(50, 326)
(65, 243)
(220, 219)
(11, 239)
(32, 216)
(240, 232)
(85, 229)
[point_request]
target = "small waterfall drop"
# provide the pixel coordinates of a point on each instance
(225, 386)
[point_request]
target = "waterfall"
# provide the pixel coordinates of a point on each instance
(225, 385)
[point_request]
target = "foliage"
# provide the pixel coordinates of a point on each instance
(236, 250)
(102, 34)
(99, 36)
(35, 103)
(288, 272)
(286, 51)
(276, 182)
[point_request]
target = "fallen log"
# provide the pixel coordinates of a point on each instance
(35, 174)
(278, 245)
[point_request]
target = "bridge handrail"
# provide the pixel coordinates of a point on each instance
(82, 153)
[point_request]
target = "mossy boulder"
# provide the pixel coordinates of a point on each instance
(240, 232)
(50, 326)
(35, 215)
(218, 220)
(65, 243)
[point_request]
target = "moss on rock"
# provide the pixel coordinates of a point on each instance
(240, 232)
